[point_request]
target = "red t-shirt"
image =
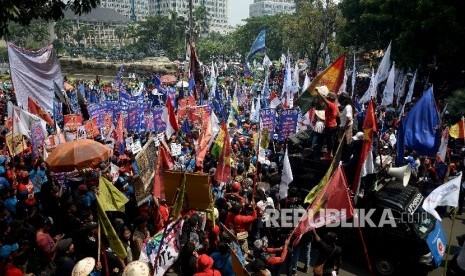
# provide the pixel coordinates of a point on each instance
(331, 112)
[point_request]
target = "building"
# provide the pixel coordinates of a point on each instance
(271, 7)
(102, 23)
(141, 7)
(218, 11)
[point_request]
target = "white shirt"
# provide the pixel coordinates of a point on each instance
(347, 114)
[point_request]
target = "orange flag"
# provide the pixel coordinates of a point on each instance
(35, 109)
(458, 130)
(332, 77)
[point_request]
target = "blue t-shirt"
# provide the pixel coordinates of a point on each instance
(223, 263)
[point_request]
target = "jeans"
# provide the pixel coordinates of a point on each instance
(305, 249)
(330, 135)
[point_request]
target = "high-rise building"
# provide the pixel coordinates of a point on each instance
(141, 7)
(271, 7)
(218, 11)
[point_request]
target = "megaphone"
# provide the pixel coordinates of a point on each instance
(401, 173)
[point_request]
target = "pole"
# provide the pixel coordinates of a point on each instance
(444, 272)
(191, 22)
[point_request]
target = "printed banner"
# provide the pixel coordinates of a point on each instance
(92, 128)
(287, 123)
(72, 122)
(97, 111)
(267, 118)
(15, 143)
(148, 120)
(37, 139)
(158, 123)
(124, 101)
(133, 119)
(146, 160)
(169, 251)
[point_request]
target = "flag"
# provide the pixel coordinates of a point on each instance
(110, 199)
(443, 147)
(91, 127)
(383, 69)
(201, 116)
(458, 130)
(223, 169)
(306, 83)
(354, 77)
(59, 96)
(295, 79)
(332, 77)
(388, 93)
(371, 91)
(196, 71)
(324, 181)
(409, 96)
(164, 245)
(164, 162)
(274, 100)
(219, 143)
(446, 194)
(177, 207)
(258, 45)
(170, 119)
(23, 121)
(420, 130)
(186, 128)
(400, 86)
(334, 196)
(215, 126)
(19, 126)
(286, 177)
(120, 129)
(369, 127)
(120, 74)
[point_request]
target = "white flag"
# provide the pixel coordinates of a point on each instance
(295, 79)
(410, 93)
(371, 91)
(383, 69)
(266, 62)
(445, 195)
(344, 84)
(23, 121)
(354, 77)
(443, 147)
(388, 93)
(286, 177)
(215, 125)
(400, 86)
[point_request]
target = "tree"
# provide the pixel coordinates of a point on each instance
(202, 18)
(63, 28)
(78, 36)
(34, 36)
(120, 33)
(24, 11)
(425, 34)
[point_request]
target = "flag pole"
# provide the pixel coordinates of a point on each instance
(444, 271)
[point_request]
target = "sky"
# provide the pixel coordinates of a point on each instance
(238, 10)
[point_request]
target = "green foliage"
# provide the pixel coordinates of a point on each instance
(456, 105)
(33, 37)
(429, 34)
(24, 11)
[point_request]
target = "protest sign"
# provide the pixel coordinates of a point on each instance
(287, 123)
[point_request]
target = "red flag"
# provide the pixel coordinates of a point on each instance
(369, 127)
(35, 109)
(165, 161)
(119, 129)
(223, 169)
(334, 196)
(170, 119)
(201, 116)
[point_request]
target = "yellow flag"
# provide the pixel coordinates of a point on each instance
(110, 198)
(115, 243)
(177, 208)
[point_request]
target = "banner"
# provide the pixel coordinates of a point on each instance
(133, 119)
(33, 74)
(15, 143)
(148, 120)
(158, 123)
(287, 123)
(437, 243)
(97, 111)
(124, 101)
(92, 128)
(37, 139)
(146, 161)
(72, 122)
(169, 250)
(267, 118)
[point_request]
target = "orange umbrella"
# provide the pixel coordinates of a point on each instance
(77, 154)
(168, 79)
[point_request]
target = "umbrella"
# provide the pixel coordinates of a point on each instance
(168, 79)
(77, 154)
(182, 84)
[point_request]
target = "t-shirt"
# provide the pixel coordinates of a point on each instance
(223, 263)
(331, 112)
(347, 114)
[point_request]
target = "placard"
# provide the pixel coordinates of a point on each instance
(15, 143)
(146, 161)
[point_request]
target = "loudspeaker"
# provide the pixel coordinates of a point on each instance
(402, 174)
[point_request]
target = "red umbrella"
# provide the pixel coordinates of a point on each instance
(168, 79)
(77, 154)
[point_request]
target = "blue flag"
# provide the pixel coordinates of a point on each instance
(421, 129)
(120, 74)
(258, 45)
(191, 84)
(186, 127)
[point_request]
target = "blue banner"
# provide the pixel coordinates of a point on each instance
(267, 120)
(159, 124)
(133, 119)
(258, 45)
(287, 123)
(96, 111)
(124, 101)
(437, 243)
